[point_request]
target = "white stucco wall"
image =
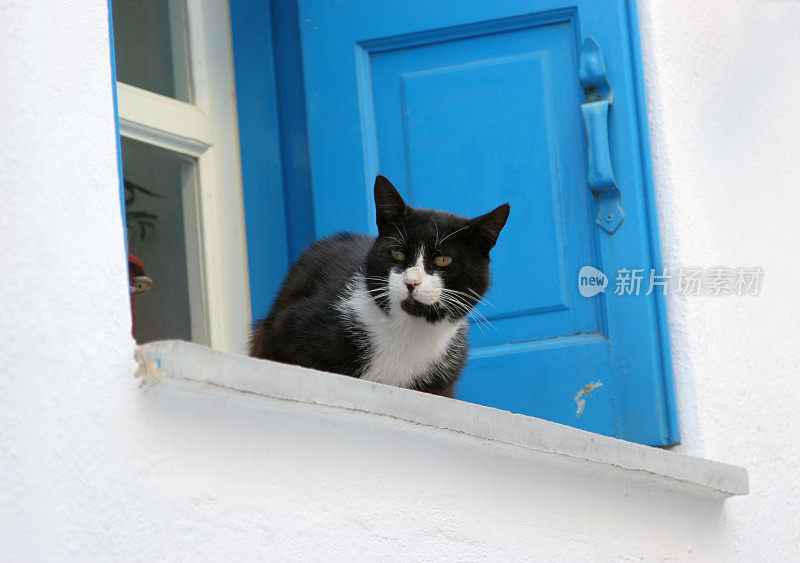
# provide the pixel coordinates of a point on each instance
(94, 467)
(66, 397)
(725, 126)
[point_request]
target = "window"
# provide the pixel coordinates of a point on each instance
(181, 169)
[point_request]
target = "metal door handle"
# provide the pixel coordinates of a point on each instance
(599, 97)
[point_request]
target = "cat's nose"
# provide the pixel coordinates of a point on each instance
(412, 285)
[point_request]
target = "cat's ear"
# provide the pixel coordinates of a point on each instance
(390, 208)
(486, 228)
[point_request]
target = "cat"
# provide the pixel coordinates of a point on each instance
(391, 309)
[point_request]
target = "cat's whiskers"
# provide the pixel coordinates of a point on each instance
(452, 297)
(480, 317)
(460, 309)
(464, 309)
(397, 240)
(480, 328)
(477, 316)
(403, 235)
(481, 299)
(460, 293)
(454, 312)
(477, 298)
(454, 232)
(470, 300)
(452, 300)
(446, 307)
(471, 311)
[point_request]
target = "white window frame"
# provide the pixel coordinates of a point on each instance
(206, 130)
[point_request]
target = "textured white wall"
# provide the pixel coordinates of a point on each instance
(65, 385)
(722, 81)
(93, 467)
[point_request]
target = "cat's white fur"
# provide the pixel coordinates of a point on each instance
(403, 347)
(429, 286)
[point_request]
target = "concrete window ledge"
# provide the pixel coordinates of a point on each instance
(179, 360)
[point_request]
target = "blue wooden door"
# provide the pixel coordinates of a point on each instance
(468, 104)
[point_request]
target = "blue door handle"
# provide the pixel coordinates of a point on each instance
(599, 97)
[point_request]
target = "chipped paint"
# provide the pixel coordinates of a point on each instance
(579, 398)
(148, 370)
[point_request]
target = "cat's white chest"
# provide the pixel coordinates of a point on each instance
(403, 348)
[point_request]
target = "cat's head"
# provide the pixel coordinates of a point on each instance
(426, 263)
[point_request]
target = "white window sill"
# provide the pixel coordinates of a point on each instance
(183, 360)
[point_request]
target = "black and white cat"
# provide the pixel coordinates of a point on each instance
(390, 309)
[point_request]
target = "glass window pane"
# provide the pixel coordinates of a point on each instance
(163, 233)
(152, 48)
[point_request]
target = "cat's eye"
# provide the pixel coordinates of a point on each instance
(397, 255)
(442, 261)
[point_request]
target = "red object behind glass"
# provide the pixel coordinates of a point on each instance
(139, 283)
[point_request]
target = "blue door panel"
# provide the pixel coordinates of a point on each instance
(561, 379)
(465, 105)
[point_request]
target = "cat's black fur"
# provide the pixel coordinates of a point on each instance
(308, 326)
